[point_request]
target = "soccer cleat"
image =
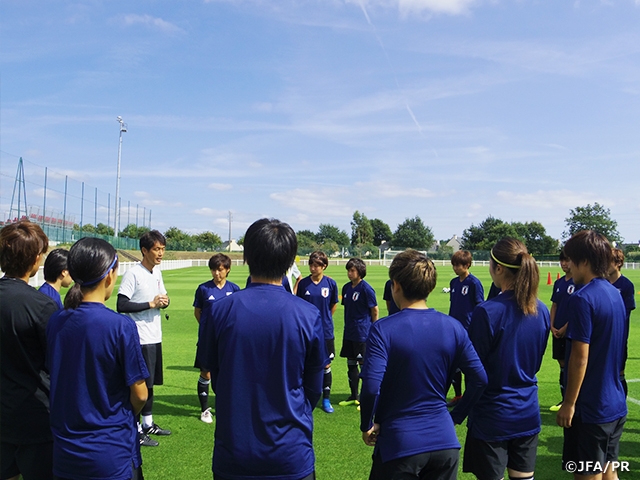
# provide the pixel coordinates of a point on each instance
(326, 405)
(155, 430)
(206, 416)
(349, 401)
(555, 408)
(146, 440)
(454, 401)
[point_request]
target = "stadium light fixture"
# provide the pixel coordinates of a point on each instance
(116, 221)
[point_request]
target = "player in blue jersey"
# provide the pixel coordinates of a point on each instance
(510, 334)
(594, 408)
(215, 289)
(388, 298)
(563, 288)
(405, 377)
(360, 311)
(322, 291)
(465, 293)
(56, 275)
(265, 350)
(97, 374)
(628, 291)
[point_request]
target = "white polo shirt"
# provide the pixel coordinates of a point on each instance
(140, 285)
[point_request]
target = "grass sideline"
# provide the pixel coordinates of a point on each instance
(340, 452)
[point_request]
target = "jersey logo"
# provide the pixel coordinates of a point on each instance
(571, 289)
(355, 296)
(325, 292)
(229, 293)
(465, 290)
(307, 292)
(211, 297)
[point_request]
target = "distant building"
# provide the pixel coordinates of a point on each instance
(231, 247)
(454, 243)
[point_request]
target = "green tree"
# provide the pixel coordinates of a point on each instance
(381, 232)
(361, 231)
(413, 233)
(178, 240)
(102, 229)
(133, 231)
(330, 232)
(207, 240)
(535, 238)
(307, 240)
(485, 235)
(592, 217)
(88, 228)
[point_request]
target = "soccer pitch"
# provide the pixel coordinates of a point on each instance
(340, 452)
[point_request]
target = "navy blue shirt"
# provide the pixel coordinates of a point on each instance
(464, 296)
(411, 358)
(94, 357)
(52, 293)
(597, 316)
(210, 292)
(265, 350)
(324, 295)
(511, 346)
(388, 296)
(562, 290)
(358, 302)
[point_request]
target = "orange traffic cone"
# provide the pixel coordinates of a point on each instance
(558, 276)
(549, 279)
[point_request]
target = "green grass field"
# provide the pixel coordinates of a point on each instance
(340, 452)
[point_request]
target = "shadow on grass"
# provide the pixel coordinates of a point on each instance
(180, 405)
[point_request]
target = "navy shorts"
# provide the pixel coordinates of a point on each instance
(152, 354)
(488, 460)
(592, 442)
(34, 461)
(353, 350)
(440, 464)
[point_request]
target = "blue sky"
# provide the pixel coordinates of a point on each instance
(308, 110)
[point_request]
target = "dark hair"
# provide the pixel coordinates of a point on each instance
(319, 258)
(150, 238)
(512, 254)
(359, 265)
(270, 248)
(617, 257)
(587, 245)
(563, 256)
(462, 257)
(218, 260)
(415, 273)
(55, 263)
(90, 260)
(20, 245)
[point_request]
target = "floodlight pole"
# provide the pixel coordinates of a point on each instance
(116, 220)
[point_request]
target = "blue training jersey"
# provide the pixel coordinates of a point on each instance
(52, 293)
(597, 316)
(388, 296)
(411, 358)
(94, 357)
(358, 302)
(266, 353)
(210, 292)
(324, 295)
(562, 290)
(464, 296)
(511, 346)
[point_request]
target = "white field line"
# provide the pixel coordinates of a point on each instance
(633, 400)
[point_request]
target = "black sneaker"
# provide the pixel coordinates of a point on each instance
(146, 440)
(155, 430)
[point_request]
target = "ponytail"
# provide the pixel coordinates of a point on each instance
(513, 255)
(74, 297)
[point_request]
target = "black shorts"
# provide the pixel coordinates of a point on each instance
(311, 476)
(440, 464)
(488, 460)
(353, 350)
(559, 347)
(152, 354)
(33, 461)
(330, 345)
(136, 474)
(592, 442)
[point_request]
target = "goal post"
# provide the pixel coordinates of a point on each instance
(390, 254)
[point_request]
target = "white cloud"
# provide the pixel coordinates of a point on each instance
(409, 7)
(210, 212)
(222, 187)
(388, 190)
(550, 199)
(149, 21)
(319, 203)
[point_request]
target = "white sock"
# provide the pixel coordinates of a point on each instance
(147, 421)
